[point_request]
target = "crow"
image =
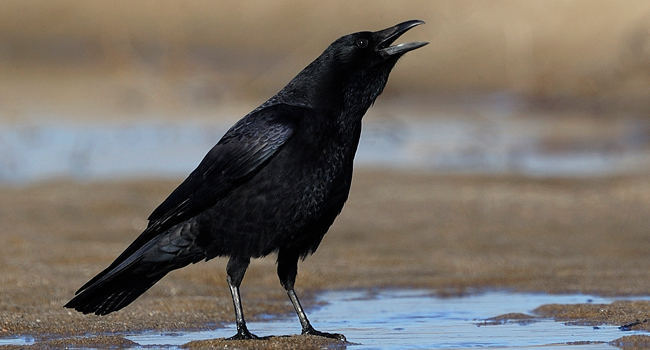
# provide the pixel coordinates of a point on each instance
(274, 183)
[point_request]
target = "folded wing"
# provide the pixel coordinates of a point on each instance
(239, 155)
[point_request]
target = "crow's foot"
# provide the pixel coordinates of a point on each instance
(312, 331)
(243, 334)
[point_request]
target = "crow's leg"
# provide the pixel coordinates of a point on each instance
(235, 270)
(287, 271)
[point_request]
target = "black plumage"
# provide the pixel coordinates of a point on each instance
(275, 182)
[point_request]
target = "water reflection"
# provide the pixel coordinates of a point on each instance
(398, 319)
(406, 318)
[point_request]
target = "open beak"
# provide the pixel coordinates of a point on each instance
(387, 36)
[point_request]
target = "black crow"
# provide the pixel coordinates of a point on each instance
(275, 182)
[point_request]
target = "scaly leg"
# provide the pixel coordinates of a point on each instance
(287, 271)
(235, 270)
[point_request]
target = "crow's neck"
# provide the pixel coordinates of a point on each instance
(317, 86)
(360, 92)
(347, 95)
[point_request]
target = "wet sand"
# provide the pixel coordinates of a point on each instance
(293, 342)
(630, 315)
(452, 234)
(632, 342)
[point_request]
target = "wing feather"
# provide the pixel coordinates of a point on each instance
(240, 153)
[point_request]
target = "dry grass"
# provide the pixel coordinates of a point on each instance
(574, 49)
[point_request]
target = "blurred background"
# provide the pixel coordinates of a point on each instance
(511, 152)
(542, 88)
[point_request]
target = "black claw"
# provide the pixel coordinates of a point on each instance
(243, 334)
(312, 331)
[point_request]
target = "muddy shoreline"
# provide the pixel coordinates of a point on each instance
(451, 234)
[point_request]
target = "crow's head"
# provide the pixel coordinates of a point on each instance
(351, 72)
(369, 49)
(359, 64)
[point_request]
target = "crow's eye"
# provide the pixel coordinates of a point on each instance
(362, 43)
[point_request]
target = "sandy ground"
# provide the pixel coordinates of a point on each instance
(452, 234)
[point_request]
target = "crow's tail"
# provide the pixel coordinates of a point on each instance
(115, 292)
(137, 269)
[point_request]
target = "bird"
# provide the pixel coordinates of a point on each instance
(273, 184)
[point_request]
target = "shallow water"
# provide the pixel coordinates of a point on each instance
(398, 319)
(16, 341)
(531, 147)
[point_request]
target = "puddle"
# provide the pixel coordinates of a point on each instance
(17, 341)
(532, 147)
(399, 319)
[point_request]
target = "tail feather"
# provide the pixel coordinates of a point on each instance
(113, 293)
(120, 264)
(132, 274)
